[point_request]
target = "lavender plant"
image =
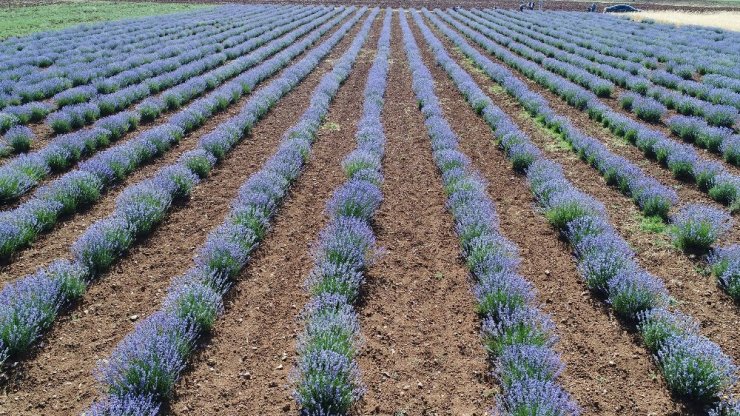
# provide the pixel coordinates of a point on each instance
(695, 367)
(696, 227)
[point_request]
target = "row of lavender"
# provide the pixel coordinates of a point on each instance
(144, 367)
(83, 105)
(706, 124)
(62, 152)
(696, 227)
(327, 375)
(45, 67)
(518, 336)
(79, 188)
(30, 304)
(682, 160)
(693, 366)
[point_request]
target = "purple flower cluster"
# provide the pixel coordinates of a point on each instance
(717, 105)
(644, 108)
(18, 139)
(516, 333)
(609, 268)
(158, 68)
(147, 363)
(696, 227)
(725, 264)
(137, 210)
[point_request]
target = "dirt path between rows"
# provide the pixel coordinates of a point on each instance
(246, 365)
(607, 371)
(59, 379)
(423, 352)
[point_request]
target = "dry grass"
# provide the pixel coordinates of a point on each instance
(724, 20)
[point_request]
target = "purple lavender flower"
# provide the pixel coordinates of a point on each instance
(536, 397)
(730, 149)
(502, 291)
(632, 291)
(149, 360)
(329, 383)
(356, 199)
(143, 205)
(74, 189)
(360, 160)
(695, 367)
(331, 278)
(226, 250)
(488, 254)
(726, 407)
(725, 189)
(14, 183)
(521, 326)
(658, 325)
(199, 161)
(521, 362)
(19, 138)
(194, 302)
(346, 240)
(126, 405)
(725, 264)
(564, 207)
(27, 307)
(330, 325)
(178, 180)
(602, 257)
(696, 227)
(102, 243)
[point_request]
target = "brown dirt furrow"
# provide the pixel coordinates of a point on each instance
(423, 353)
(245, 366)
(56, 243)
(607, 371)
(58, 379)
(696, 293)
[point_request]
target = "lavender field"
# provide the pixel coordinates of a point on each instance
(345, 210)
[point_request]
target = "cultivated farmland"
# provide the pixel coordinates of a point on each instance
(327, 210)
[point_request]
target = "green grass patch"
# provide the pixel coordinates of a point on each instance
(23, 20)
(559, 145)
(652, 224)
(331, 126)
